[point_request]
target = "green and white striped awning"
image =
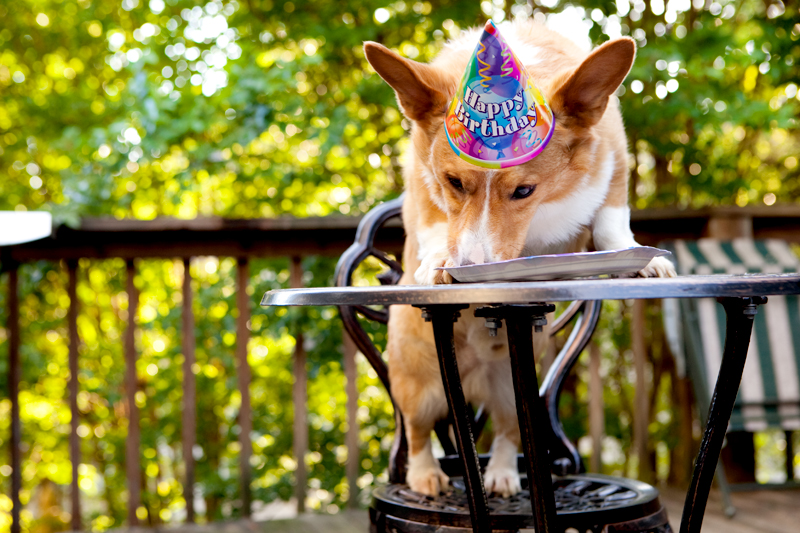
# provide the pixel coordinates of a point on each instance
(769, 396)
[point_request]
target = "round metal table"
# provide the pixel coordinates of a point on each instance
(522, 304)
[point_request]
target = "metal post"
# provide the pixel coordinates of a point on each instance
(13, 390)
(189, 415)
(133, 471)
(443, 318)
(531, 411)
(243, 374)
(74, 439)
(740, 313)
(299, 395)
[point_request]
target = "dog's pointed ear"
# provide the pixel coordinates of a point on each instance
(584, 95)
(419, 87)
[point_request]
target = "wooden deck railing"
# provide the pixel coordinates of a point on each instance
(130, 240)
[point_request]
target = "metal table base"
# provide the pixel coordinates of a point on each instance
(740, 296)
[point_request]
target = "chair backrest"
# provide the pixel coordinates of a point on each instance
(583, 316)
(769, 396)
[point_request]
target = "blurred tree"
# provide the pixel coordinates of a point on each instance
(186, 108)
(145, 108)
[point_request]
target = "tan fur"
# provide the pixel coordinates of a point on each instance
(589, 134)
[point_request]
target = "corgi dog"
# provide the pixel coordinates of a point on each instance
(573, 194)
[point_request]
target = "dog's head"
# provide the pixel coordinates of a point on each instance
(489, 211)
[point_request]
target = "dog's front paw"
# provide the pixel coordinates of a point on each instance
(430, 480)
(658, 267)
(502, 480)
(427, 274)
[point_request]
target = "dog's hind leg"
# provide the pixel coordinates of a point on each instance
(502, 475)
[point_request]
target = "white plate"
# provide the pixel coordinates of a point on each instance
(560, 266)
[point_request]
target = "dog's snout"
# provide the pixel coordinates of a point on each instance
(472, 255)
(476, 255)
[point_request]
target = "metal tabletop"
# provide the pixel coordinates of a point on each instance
(543, 291)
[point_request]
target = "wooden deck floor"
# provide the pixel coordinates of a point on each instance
(760, 511)
(757, 512)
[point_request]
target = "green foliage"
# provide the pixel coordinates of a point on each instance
(715, 120)
(189, 108)
(185, 108)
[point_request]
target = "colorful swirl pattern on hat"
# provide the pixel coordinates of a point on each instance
(498, 118)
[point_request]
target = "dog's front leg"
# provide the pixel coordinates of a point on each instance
(612, 230)
(418, 393)
(427, 274)
(421, 413)
(424, 473)
(432, 253)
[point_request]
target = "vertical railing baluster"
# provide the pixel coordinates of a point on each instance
(596, 415)
(351, 438)
(189, 415)
(74, 439)
(299, 395)
(641, 410)
(133, 467)
(13, 390)
(243, 374)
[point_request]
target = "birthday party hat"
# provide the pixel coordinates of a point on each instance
(497, 118)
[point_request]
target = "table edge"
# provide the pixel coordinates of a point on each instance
(521, 292)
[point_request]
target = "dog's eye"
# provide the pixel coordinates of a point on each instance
(456, 183)
(523, 192)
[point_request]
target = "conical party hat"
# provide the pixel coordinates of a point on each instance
(497, 118)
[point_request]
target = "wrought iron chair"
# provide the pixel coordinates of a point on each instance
(586, 502)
